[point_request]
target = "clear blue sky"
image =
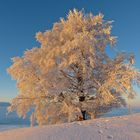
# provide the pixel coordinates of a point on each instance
(21, 19)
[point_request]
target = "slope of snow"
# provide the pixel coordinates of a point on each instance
(115, 128)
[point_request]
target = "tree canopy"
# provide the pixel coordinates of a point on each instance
(70, 76)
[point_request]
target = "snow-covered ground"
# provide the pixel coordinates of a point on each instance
(115, 128)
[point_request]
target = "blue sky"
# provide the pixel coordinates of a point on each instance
(21, 19)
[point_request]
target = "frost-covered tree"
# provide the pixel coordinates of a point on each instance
(71, 77)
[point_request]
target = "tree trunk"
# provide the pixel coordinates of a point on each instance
(83, 114)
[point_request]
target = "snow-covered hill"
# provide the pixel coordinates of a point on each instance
(4, 104)
(11, 118)
(115, 128)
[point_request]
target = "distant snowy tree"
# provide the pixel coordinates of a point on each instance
(71, 77)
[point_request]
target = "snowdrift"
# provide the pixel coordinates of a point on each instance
(115, 128)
